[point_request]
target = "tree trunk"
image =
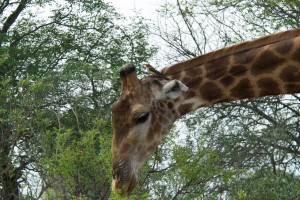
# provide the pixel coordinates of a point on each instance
(9, 175)
(10, 186)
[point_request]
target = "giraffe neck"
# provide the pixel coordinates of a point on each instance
(266, 66)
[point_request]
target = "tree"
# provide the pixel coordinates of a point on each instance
(58, 81)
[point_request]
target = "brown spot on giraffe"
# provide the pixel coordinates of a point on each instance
(267, 62)
(296, 54)
(161, 106)
(170, 105)
(186, 79)
(244, 89)
(210, 91)
(216, 68)
(292, 88)
(194, 82)
(189, 94)
(268, 86)
(238, 70)
(284, 48)
(195, 71)
(290, 74)
(185, 108)
(227, 80)
(243, 58)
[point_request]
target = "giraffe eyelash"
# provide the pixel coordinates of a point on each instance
(142, 118)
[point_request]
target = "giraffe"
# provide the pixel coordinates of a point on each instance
(147, 108)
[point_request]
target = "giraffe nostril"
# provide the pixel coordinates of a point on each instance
(117, 175)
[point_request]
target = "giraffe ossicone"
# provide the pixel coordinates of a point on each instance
(148, 108)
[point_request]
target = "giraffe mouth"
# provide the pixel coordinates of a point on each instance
(123, 178)
(123, 188)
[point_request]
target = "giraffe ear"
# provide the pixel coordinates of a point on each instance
(173, 89)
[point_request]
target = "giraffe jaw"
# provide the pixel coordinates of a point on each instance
(123, 189)
(124, 176)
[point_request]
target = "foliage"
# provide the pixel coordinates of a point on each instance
(265, 185)
(265, 15)
(80, 167)
(59, 77)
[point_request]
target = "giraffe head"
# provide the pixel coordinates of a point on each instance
(145, 111)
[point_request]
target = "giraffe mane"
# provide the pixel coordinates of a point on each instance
(227, 51)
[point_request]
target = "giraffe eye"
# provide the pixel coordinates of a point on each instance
(142, 118)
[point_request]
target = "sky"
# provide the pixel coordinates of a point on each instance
(147, 7)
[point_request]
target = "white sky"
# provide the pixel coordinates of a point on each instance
(146, 7)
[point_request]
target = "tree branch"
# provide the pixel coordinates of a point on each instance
(12, 18)
(3, 5)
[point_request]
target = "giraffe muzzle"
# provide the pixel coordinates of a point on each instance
(123, 188)
(123, 178)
